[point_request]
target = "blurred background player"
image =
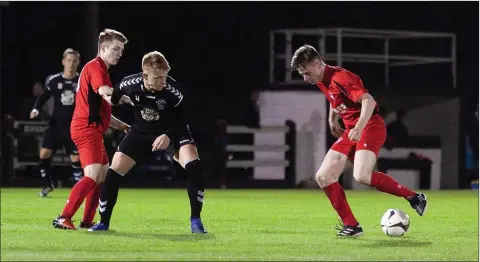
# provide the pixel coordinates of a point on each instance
(91, 119)
(160, 124)
(62, 86)
(359, 144)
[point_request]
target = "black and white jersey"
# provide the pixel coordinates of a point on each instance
(63, 92)
(158, 112)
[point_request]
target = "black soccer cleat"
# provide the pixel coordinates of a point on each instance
(83, 225)
(349, 231)
(419, 203)
(45, 191)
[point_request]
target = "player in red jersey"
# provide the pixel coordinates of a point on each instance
(90, 120)
(359, 144)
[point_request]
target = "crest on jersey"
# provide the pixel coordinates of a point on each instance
(60, 85)
(67, 98)
(149, 114)
(74, 86)
(161, 104)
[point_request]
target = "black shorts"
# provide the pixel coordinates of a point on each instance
(58, 136)
(138, 145)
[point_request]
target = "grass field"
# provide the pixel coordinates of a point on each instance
(243, 225)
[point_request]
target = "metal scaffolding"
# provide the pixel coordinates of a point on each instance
(389, 60)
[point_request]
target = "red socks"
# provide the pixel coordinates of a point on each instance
(78, 194)
(91, 204)
(339, 202)
(384, 183)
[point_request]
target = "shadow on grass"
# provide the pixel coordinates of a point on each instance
(187, 237)
(396, 243)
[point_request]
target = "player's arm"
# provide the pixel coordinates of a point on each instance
(100, 82)
(41, 100)
(335, 127)
(332, 116)
(118, 124)
(351, 85)
(368, 105)
(120, 95)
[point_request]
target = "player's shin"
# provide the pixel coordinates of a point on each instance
(109, 195)
(338, 199)
(91, 204)
(77, 195)
(384, 183)
(77, 170)
(195, 187)
(45, 167)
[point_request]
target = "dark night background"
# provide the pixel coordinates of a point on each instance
(220, 52)
(215, 49)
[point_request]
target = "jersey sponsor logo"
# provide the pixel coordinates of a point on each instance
(161, 104)
(151, 97)
(342, 108)
(150, 114)
(131, 81)
(67, 98)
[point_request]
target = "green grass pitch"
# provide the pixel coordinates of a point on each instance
(153, 224)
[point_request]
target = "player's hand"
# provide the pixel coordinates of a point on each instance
(336, 129)
(126, 129)
(355, 134)
(34, 113)
(126, 100)
(161, 143)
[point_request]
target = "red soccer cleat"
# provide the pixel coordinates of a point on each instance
(63, 223)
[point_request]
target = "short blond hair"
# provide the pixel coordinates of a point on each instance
(70, 51)
(108, 35)
(155, 60)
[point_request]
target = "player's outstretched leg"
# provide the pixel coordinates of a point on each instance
(327, 178)
(45, 168)
(362, 171)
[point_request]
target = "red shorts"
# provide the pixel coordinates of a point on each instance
(90, 146)
(373, 137)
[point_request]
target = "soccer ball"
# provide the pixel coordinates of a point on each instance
(395, 223)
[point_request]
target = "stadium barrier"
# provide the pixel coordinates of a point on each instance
(262, 160)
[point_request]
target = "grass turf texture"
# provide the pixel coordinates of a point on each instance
(243, 225)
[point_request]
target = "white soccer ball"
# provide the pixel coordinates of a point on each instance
(395, 223)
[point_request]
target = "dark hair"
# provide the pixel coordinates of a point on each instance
(302, 56)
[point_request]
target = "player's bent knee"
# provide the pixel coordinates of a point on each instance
(332, 167)
(187, 153)
(94, 171)
(122, 163)
(323, 179)
(45, 153)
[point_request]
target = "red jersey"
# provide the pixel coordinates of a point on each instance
(90, 107)
(343, 89)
